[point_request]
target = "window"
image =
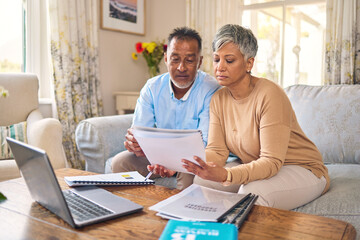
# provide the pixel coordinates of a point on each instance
(24, 41)
(12, 50)
(290, 37)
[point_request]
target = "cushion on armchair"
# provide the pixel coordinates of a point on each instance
(16, 131)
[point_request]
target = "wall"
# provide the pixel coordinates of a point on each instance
(118, 71)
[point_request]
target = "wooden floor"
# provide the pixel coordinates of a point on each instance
(22, 218)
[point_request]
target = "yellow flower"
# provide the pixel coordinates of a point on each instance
(151, 47)
(153, 52)
(3, 92)
(144, 45)
(134, 56)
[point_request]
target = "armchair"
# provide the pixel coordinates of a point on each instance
(22, 105)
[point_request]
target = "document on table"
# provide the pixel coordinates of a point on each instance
(198, 203)
(167, 147)
(122, 178)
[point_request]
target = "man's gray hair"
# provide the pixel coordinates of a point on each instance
(240, 36)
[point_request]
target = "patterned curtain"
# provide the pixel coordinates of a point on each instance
(74, 53)
(207, 16)
(342, 54)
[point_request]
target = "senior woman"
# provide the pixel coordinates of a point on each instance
(253, 118)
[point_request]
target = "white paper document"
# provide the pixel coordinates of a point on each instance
(198, 203)
(167, 147)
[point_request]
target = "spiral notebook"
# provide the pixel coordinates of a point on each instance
(123, 178)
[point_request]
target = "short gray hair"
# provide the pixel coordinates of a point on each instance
(240, 36)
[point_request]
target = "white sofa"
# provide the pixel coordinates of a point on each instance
(21, 105)
(329, 115)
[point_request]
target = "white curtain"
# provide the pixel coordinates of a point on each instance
(342, 42)
(74, 52)
(207, 16)
(38, 60)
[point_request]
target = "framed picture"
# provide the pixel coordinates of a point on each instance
(123, 15)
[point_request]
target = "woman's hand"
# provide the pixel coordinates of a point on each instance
(208, 171)
(160, 170)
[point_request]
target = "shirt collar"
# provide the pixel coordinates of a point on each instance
(186, 96)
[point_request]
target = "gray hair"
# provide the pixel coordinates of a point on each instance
(242, 37)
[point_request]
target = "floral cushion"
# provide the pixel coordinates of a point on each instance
(16, 131)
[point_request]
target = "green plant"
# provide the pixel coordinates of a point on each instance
(2, 197)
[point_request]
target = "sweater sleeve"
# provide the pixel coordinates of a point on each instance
(216, 150)
(274, 116)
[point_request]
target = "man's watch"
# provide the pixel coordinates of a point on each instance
(228, 179)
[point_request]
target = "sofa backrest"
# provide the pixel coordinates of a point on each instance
(330, 117)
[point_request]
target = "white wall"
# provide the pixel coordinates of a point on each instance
(118, 71)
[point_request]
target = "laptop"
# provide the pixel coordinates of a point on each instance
(79, 206)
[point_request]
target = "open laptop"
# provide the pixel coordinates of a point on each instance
(99, 204)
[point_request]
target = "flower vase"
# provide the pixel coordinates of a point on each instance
(153, 71)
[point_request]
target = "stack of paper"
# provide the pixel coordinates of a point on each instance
(198, 203)
(167, 147)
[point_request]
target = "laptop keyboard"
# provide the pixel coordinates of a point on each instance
(83, 209)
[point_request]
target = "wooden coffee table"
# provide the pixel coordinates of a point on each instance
(22, 218)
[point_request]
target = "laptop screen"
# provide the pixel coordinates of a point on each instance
(40, 178)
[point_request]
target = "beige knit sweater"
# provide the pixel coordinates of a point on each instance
(262, 130)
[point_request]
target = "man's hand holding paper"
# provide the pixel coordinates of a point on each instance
(164, 148)
(132, 145)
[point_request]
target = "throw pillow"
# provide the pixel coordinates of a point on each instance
(16, 131)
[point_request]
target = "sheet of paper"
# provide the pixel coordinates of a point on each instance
(168, 149)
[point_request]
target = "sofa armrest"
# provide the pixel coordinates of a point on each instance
(46, 133)
(101, 138)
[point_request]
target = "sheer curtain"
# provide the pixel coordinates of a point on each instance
(342, 42)
(38, 58)
(74, 53)
(207, 16)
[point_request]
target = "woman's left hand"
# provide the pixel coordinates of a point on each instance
(208, 171)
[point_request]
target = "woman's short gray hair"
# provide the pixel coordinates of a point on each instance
(242, 37)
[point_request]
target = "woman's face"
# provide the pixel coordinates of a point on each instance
(230, 66)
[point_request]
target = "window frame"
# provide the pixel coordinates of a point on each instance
(283, 4)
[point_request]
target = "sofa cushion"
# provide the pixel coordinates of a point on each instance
(342, 200)
(16, 131)
(329, 116)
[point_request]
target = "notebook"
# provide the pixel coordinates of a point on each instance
(123, 178)
(79, 206)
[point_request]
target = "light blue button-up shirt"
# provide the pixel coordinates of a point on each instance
(158, 107)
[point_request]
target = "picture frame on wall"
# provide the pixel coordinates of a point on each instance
(123, 15)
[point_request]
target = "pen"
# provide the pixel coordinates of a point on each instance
(147, 176)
